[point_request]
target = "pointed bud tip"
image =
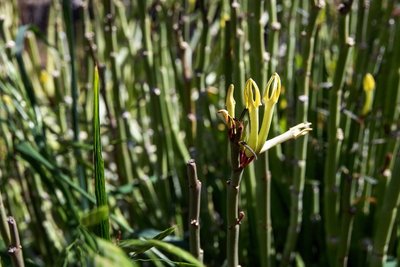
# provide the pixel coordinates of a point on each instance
(252, 99)
(230, 101)
(368, 82)
(273, 84)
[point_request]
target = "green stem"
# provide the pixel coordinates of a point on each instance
(387, 215)
(80, 170)
(233, 193)
(194, 210)
(5, 233)
(258, 70)
(122, 155)
(235, 74)
(360, 51)
(334, 139)
(264, 223)
(256, 38)
(296, 209)
(201, 112)
(288, 80)
(237, 44)
(15, 248)
(392, 93)
(233, 217)
(274, 27)
(148, 54)
(252, 208)
(348, 211)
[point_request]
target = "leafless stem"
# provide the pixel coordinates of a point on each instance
(194, 210)
(15, 248)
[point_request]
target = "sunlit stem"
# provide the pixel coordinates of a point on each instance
(265, 126)
(369, 96)
(253, 136)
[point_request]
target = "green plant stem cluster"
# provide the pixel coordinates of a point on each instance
(95, 171)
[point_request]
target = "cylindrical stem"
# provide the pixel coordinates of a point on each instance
(233, 192)
(387, 215)
(194, 210)
(67, 10)
(335, 137)
(348, 211)
(15, 248)
(296, 209)
(5, 233)
(233, 219)
(121, 151)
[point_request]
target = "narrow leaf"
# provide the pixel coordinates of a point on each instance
(103, 229)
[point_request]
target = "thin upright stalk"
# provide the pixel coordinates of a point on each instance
(5, 233)
(80, 171)
(149, 64)
(256, 38)
(274, 27)
(273, 48)
(296, 209)
(233, 193)
(387, 215)
(237, 46)
(346, 227)
(194, 210)
(335, 136)
(258, 68)
(200, 83)
(387, 100)
(253, 205)
(392, 94)
(171, 139)
(289, 77)
(360, 49)
(15, 248)
(264, 223)
(233, 217)
(264, 181)
(235, 70)
(122, 156)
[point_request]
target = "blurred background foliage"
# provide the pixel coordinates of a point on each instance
(164, 66)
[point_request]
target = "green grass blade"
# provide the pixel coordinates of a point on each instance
(142, 249)
(169, 248)
(31, 155)
(103, 229)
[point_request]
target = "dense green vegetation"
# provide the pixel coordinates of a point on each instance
(113, 151)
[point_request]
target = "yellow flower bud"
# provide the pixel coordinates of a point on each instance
(273, 84)
(369, 87)
(224, 19)
(230, 101)
(271, 96)
(368, 82)
(252, 101)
